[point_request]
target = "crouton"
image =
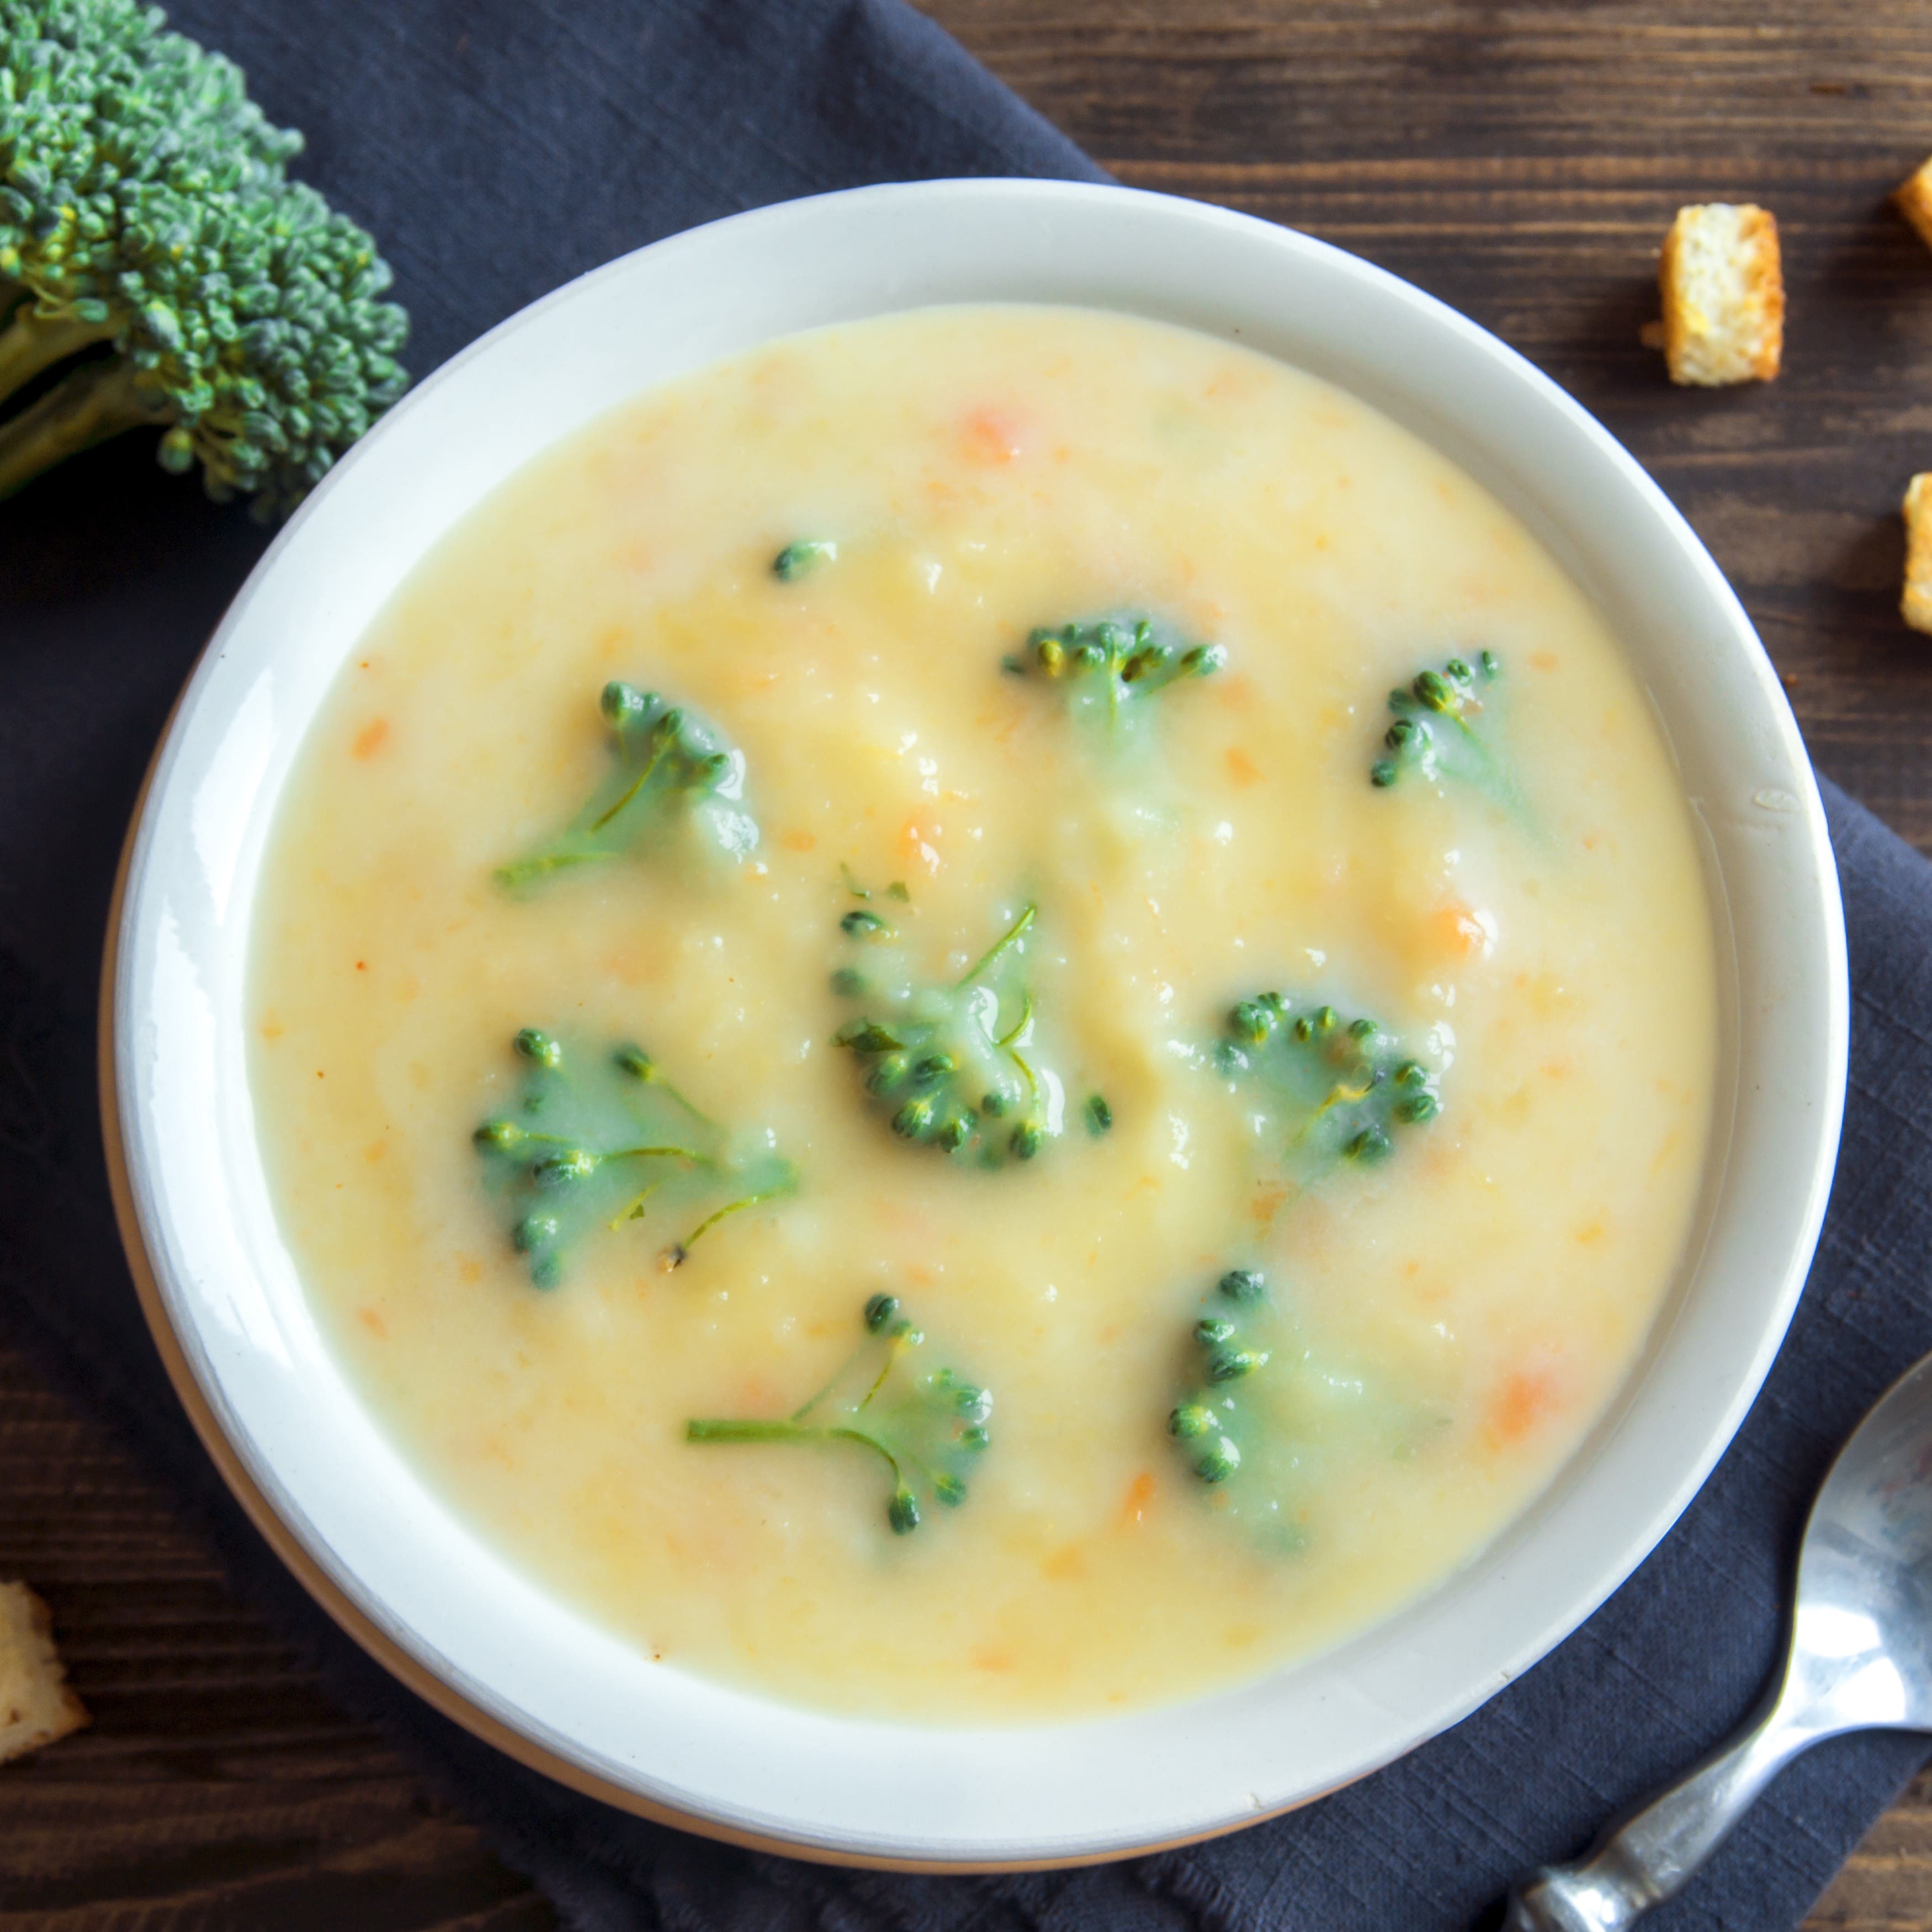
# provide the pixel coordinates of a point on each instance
(1916, 605)
(36, 1707)
(1913, 195)
(1724, 294)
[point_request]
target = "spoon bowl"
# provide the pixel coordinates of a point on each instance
(1859, 1658)
(1861, 1638)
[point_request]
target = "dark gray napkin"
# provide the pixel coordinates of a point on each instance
(497, 148)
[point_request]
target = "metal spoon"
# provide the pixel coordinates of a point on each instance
(1860, 1658)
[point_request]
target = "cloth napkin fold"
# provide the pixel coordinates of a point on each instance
(496, 148)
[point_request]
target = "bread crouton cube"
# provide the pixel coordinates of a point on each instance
(1724, 294)
(37, 1707)
(1916, 605)
(1913, 195)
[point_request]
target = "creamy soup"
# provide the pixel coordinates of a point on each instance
(891, 1065)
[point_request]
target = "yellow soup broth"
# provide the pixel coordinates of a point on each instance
(1442, 1324)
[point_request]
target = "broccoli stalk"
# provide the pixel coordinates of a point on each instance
(152, 247)
(927, 1429)
(1108, 668)
(31, 342)
(673, 768)
(605, 1146)
(1328, 1092)
(949, 1068)
(97, 401)
(1439, 732)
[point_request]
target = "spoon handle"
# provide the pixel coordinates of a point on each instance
(1647, 1857)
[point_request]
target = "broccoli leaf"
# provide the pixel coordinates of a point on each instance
(602, 1140)
(1108, 669)
(951, 1067)
(1442, 731)
(1325, 1091)
(928, 1426)
(674, 770)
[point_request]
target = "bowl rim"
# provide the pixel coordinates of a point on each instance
(128, 1001)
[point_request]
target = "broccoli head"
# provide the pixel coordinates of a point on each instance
(951, 1067)
(602, 1140)
(1329, 1091)
(1440, 730)
(1264, 1419)
(152, 248)
(1108, 669)
(673, 769)
(1232, 1339)
(927, 1426)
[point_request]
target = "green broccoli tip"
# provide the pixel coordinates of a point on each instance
(672, 768)
(1226, 1350)
(946, 1067)
(593, 1141)
(1437, 731)
(158, 265)
(927, 1428)
(1336, 1092)
(1104, 666)
(797, 558)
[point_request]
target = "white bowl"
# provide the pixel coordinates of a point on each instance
(487, 1643)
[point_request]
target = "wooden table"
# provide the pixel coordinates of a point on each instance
(1520, 162)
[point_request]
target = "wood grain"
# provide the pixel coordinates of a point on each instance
(218, 1790)
(1521, 162)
